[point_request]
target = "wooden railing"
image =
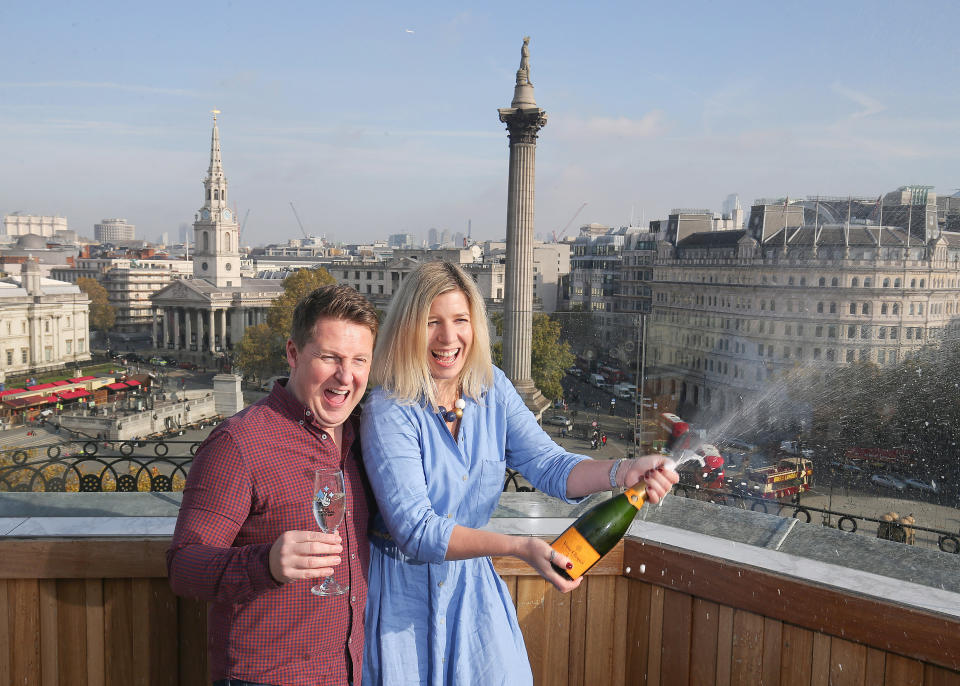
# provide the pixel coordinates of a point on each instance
(99, 611)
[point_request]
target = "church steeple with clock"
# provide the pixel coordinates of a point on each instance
(216, 256)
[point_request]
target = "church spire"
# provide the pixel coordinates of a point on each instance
(216, 167)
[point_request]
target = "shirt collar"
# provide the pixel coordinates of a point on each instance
(287, 403)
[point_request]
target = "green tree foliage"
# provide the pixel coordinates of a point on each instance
(295, 287)
(102, 314)
(260, 353)
(549, 356)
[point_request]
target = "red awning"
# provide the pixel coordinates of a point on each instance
(82, 378)
(133, 382)
(40, 387)
(119, 386)
(72, 395)
(12, 391)
(61, 383)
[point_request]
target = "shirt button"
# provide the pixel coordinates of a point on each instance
(323, 437)
(439, 583)
(353, 599)
(464, 476)
(307, 413)
(300, 422)
(352, 556)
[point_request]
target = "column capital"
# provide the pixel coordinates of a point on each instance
(523, 123)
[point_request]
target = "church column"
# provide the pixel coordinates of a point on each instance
(223, 329)
(176, 328)
(213, 331)
(200, 331)
(153, 326)
(189, 329)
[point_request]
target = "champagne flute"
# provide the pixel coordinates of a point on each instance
(328, 505)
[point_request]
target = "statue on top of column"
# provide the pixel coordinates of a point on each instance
(523, 73)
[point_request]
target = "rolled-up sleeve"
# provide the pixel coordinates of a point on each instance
(529, 449)
(393, 457)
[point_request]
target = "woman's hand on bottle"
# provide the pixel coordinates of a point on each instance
(656, 471)
(538, 554)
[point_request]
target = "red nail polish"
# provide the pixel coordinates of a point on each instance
(569, 565)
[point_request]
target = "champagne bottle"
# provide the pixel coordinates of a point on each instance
(597, 530)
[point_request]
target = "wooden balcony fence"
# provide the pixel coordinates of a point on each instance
(99, 611)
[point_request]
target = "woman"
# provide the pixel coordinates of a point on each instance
(437, 435)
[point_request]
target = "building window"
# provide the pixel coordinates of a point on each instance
(896, 283)
(849, 356)
(818, 332)
(834, 282)
(10, 357)
(853, 308)
(46, 325)
(816, 353)
(883, 308)
(881, 356)
(851, 331)
(23, 355)
(69, 347)
(820, 308)
(830, 354)
(822, 282)
(867, 282)
(833, 308)
(886, 283)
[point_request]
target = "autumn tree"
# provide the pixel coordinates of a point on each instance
(295, 287)
(261, 351)
(102, 314)
(549, 356)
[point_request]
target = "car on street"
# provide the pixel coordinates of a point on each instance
(558, 420)
(888, 481)
(575, 371)
(928, 486)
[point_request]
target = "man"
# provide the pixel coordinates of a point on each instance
(246, 541)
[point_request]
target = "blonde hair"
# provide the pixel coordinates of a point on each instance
(400, 357)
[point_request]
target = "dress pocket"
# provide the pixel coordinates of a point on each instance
(492, 474)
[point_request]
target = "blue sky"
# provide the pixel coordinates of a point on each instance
(381, 117)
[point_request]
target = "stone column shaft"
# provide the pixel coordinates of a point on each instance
(213, 331)
(199, 331)
(518, 287)
(223, 329)
(153, 327)
(189, 329)
(176, 328)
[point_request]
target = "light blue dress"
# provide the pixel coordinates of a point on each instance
(430, 621)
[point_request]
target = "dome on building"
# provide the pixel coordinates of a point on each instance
(31, 241)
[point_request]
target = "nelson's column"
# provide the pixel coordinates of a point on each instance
(523, 119)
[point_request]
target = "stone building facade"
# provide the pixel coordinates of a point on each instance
(732, 313)
(44, 324)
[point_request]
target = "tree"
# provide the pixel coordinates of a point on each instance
(578, 328)
(549, 357)
(295, 286)
(260, 353)
(102, 314)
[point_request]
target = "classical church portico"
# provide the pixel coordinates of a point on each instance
(209, 313)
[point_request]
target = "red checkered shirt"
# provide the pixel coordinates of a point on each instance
(250, 481)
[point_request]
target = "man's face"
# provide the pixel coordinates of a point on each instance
(329, 374)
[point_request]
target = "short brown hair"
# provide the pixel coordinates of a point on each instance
(334, 302)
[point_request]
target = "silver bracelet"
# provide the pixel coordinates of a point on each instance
(613, 473)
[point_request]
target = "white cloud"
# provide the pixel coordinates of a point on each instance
(651, 124)
(870, 105)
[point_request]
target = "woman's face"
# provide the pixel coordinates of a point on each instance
(449, 335)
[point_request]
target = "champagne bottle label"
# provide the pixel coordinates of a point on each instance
(581, 553)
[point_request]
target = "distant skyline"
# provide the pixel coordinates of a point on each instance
(379, 118)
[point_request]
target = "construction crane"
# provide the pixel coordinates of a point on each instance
(563, 232)
(302, 230)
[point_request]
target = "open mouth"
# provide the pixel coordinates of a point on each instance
(446, 358)
(335, 396)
